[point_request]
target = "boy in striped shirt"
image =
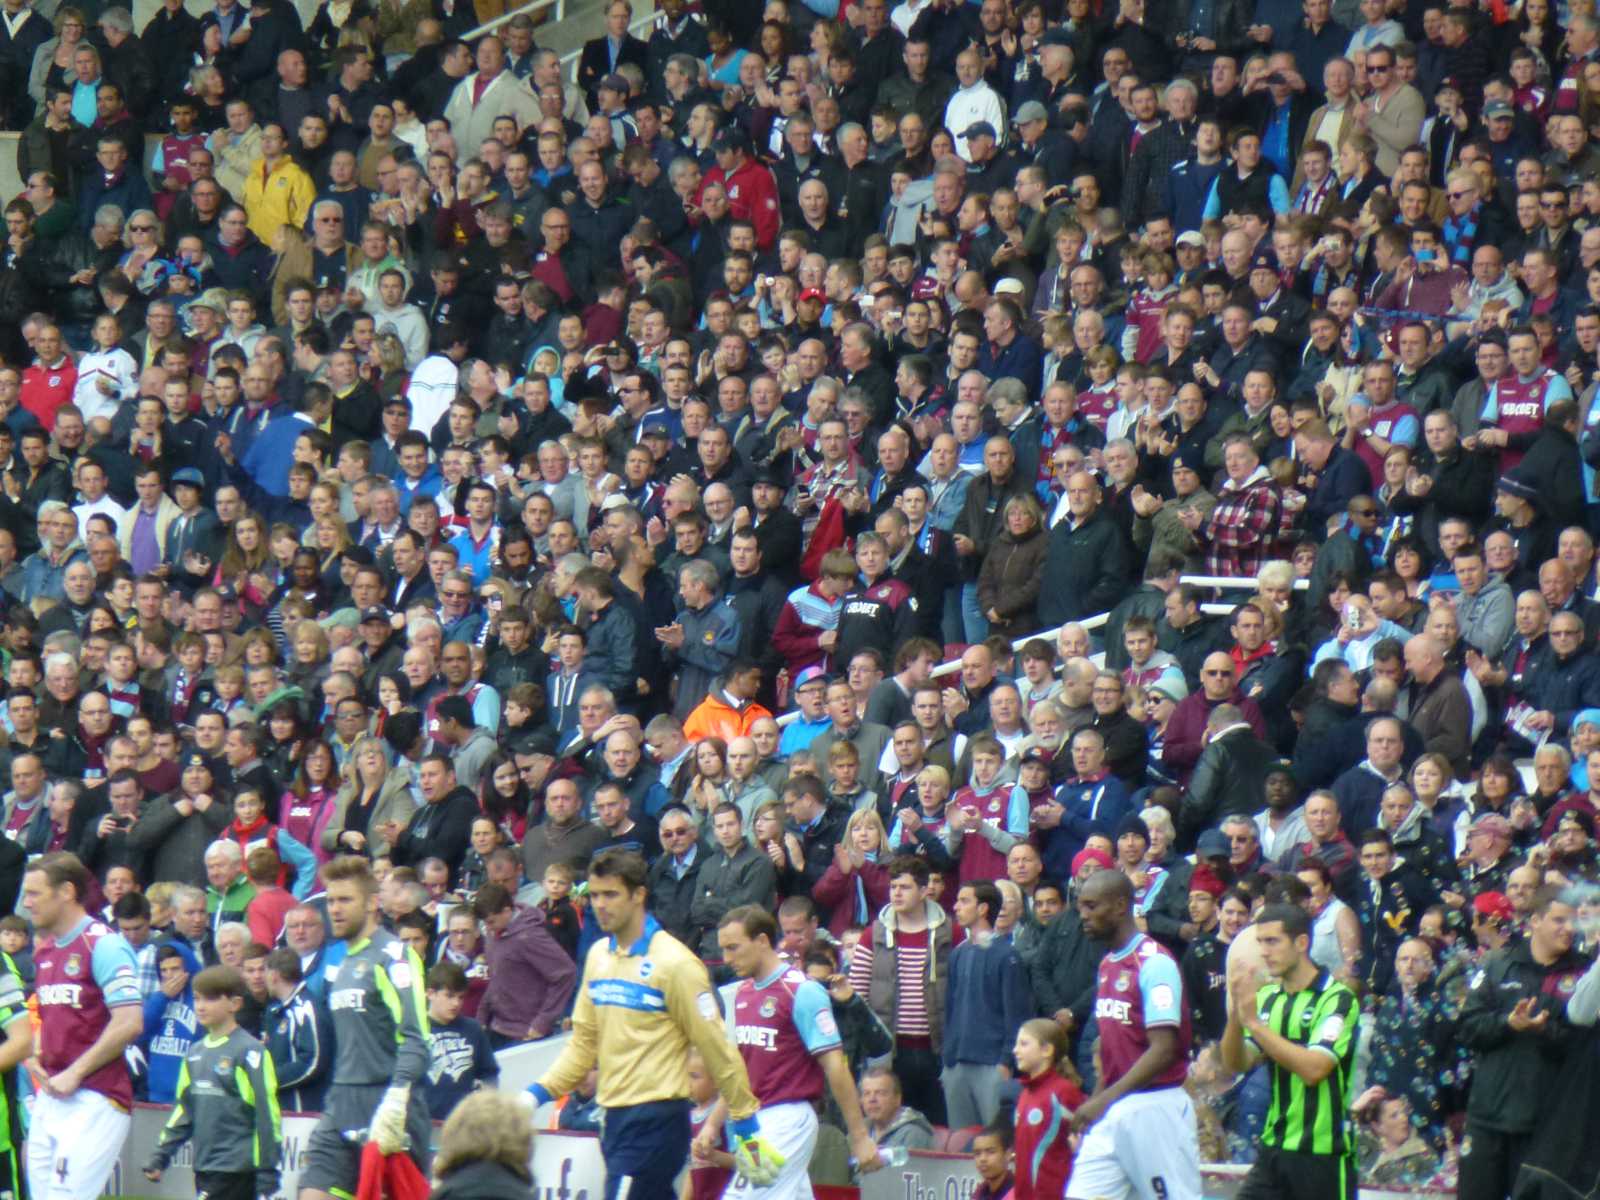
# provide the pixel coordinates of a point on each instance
(902, 969)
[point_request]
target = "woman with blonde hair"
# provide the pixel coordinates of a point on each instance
(1008, 581)
(485, 1148)
(371, 795)
(856, 885)
(332, 540)
(52, 61)
(309, 651)
(390, 353)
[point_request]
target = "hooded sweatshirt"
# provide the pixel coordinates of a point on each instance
(410, 326)
(904, 974)
(170, 1026)
(531, 978)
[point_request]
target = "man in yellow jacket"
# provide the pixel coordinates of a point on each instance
(276, 191)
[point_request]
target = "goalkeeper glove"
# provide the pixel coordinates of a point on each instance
(388, 1128)
(753, 1155)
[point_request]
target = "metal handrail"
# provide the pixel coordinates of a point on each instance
(537, 6)
(1233, 581)
(569, 61)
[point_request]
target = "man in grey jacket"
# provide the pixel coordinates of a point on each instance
(472, 746)
(1486, 609)
(735, 873)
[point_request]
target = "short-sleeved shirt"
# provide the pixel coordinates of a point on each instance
(80, 978)
(1140, 988)
(1309, 1118)
(781, 1024)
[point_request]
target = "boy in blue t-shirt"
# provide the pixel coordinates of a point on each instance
(462, 1060)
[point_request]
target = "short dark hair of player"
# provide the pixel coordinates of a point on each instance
(447, 977)
(620, 864)
(350, 868)
(1295, 920)
(908, 864)
(490, 900)
(286, 963)
(754, 921)
(61, 867)
(986, 895)
(220, 983)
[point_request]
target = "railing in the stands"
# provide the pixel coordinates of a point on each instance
(569, 61)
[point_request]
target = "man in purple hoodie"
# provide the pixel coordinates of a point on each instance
(531, 979)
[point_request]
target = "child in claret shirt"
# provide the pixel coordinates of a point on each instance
(560, 914)
(1141, 336)
(1098, 401)
(710, 1170)
(1050, 1095)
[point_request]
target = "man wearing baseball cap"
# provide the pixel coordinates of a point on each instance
(752, 191)
(811, 719)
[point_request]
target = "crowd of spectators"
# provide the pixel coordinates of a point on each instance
(412, 451)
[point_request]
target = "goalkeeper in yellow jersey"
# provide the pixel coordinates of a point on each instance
(644, 1000)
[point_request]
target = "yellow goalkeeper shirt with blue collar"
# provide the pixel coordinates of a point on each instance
(639, 1009)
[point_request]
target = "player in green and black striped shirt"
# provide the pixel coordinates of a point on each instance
(16, 1045)
(1304, 1024)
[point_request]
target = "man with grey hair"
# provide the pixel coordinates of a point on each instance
(864, 190)
(125, 60)
(44, 571)
(704, 638)
(228, 889)
(190, 926)
(1009, 399)
(1144, 187)
(232, 939)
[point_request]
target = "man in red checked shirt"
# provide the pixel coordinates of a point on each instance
(752, 191)
(48, 384)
